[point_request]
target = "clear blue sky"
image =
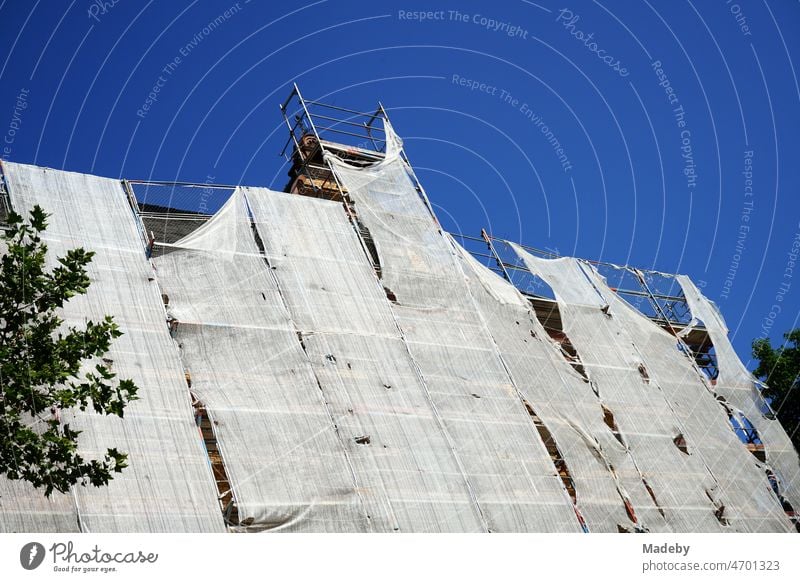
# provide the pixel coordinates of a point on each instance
(474, 94)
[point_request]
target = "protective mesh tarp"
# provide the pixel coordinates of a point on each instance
(408, 474)
(510, 474)
(168, 484)
(285, 465)
(419, 402)
(605, 474)
(660, 402)
(738, 388)
(744, 489)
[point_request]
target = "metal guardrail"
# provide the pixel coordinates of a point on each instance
(640, 287)
(324, 121)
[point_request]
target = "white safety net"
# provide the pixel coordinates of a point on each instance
(700, 474)
(421, 394)
(611, 492)
(406, 470)
(510, 474)
(168, 484)
(737, 388)
(283, 461)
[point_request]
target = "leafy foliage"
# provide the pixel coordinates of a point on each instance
(47, 368)
(779, 368)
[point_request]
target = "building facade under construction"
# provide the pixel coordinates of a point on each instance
(329, 359)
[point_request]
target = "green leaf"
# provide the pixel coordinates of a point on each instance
(40, 363)
(779, 369)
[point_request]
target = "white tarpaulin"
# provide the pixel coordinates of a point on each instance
(168, 484)
(407, 471)
(510, 473)
(424, 396)
(286, 467)
(739, 390)
(611, 492)
(701, 475)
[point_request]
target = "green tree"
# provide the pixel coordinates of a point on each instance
(779, 368)
(48, 369)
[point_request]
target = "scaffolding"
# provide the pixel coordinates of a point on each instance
(358, 137)
(360, 140)
(167, 211)
(316, 128)
(650, 292)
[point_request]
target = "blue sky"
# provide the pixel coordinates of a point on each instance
(657, 134)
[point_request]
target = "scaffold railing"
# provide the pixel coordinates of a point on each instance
(655, 294)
